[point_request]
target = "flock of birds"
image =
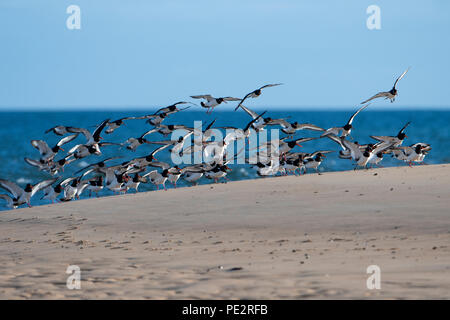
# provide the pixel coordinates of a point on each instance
(270, 159)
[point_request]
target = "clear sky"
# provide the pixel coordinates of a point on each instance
(140, 53)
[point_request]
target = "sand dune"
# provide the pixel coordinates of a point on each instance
(285, 237)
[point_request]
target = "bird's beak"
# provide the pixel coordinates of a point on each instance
(228, 168)
(324, 156)
(155, 159)
(299, 145)
(62, 149)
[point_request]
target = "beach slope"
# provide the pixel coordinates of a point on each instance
(292, 237)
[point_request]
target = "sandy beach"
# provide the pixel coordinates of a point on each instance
(308, 237)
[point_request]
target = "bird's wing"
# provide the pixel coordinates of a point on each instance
(381, 147)
(66, 139)
(253, 121)
(383, 138)
(148, 132)
(242, 101)
(8, 199)
(378, 95)
(66, 181)
(309, 126)
(99, 129)
(320, 151)
(282, 122)
(336, 139)
(42, 185)
(252, 113)
(34, 163)
(159, 149)
(11, 187)
(270, 85)
(75, 148)
(231, 99)
(301, 140)
(203, 96)
(353, 148)
(399, 78)
(42, 146)
(83, 131)
(159, 164)
(355, 114)
(152, 174)
(406, 125)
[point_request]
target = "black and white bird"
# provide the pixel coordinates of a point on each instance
(91, 138)
(347, 128)
(96, 166)
(11, 203)
(290, 128)
(261, 121)
(314, 160)
(256, 93)
(52, 192)
(411, 154)
(233, 133)
(165, 130)
(173, 172)
(393, 141)
(173, 108)
(142, 162)
(391, 94)
(95, 185)
(47, 153)
(81, 151)
(177, 145)
(111, 126)
(58, 130)
(217, 172)
(134, 143)
(192, 173)
(23, 195)
(160, 178)
(212, 102)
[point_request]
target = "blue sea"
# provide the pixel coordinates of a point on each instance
(17, 129)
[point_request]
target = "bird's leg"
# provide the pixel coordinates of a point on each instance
(29, 205)
(157, 187)
(164, 185)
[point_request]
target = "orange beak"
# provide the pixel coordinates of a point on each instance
(299, 145)
(62, 149)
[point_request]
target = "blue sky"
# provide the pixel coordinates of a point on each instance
(141, 53)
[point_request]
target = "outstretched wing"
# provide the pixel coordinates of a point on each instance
(96, 134)
(42, 185)
(67, 139)
(41, 146)
(382, 94)
(252, 113)
(399, 78)
(208, 97)
(356, 113)
(11, 187)
(270, 85)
